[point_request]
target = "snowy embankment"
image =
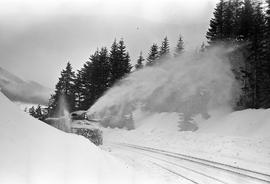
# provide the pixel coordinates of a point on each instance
(33, 152)
(239, 138)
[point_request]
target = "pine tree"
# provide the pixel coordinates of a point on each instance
(119, 62)
(114, 62)
(265, 88)
(228, 21)
(252, 32)
(215, 31)
(257, 57)
(105, 70)
(84, 85)
(139, 64)
(164, 49)
(267, 35)
(79, 87)
(153, 55)
(246, 20)
(100, 73)
(235, 23)
(243, 22)
(124, 59)
(179, 47)
(38, 112)
(97, 75)
(32, 111)
(64, 93)
(225, 26)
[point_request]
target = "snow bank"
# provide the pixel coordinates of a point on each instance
(240, 138)
(246, 123)
(33, 152)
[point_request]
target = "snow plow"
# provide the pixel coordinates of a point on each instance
(79, 123)
(89, 128)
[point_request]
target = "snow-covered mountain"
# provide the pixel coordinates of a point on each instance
(17, 89)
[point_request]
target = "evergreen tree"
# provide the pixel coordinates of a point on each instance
(79, 87)
(119, 61)
(257, 57)
(32, 111)
(114, 62)
(38, 113)
(164, 49)
(215, 31)
(124, 59)
(225, 26)
(139, 64)
(265, 88)
(267, 35)
(64, 93)
(153, 55)
(236, 6)
(85, 85)
(244, 22)
(228, 21)
(252, 31)
(179, 47)
(95, 77)
(100, 73)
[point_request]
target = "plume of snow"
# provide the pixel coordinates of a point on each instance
(172, 85)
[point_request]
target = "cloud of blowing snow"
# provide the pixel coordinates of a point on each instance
(170, 86)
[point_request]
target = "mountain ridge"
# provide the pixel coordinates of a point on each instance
(19, 90)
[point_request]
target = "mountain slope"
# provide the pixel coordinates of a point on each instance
(33, 152)
(17, 89)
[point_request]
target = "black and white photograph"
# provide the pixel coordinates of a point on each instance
(134, 91)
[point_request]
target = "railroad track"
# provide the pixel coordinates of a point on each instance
(198, 170)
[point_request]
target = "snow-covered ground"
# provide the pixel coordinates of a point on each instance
(33, 152)
(240, 139)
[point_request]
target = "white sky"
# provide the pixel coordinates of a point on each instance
(37, 37)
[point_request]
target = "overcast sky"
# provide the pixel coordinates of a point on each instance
(37, 37)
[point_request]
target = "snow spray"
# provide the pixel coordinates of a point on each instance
(171, 86)
(63, 117)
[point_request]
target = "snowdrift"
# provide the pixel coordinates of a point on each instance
(246, 123)
(33, 152)
(239, 138)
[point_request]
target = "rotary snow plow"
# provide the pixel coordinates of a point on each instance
(78, 123)
(89, 128)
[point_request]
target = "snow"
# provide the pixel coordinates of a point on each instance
(246, 123)
(239, 138)
(20, 90)
(33, 152)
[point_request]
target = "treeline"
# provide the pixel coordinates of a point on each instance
(80, 90)
(38, 112)
(245, 24)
